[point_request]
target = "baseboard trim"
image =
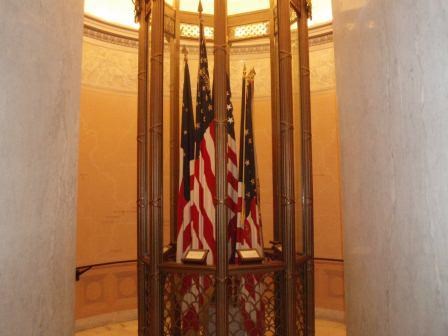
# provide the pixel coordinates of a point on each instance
(103, 319)
(330, 315)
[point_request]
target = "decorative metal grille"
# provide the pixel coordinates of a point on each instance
(254, 308)
(249, 31)
(147, 289)
(300, 301)
(252, 30)
(192, 31)
(189, 306)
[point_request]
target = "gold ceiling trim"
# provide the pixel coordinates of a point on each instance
(116, 34)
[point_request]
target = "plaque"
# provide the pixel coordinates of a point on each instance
(195, 257)
(249, 256)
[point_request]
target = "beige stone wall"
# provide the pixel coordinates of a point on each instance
(326, 180)
(106, 223)
(106, 200)
(107, 177)
(106, 228)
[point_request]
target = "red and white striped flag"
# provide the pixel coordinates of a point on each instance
(249, 230)
(196, 209)
(189, 305)
(204, 182)
(232, 177)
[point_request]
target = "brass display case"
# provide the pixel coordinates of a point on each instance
(287, 272)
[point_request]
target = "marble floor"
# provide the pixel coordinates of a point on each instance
(330, 328)
(323, 328)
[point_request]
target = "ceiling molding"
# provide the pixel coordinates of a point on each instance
(107, 27)
(128, 37)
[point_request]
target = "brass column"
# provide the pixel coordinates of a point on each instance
(275, 121)
(220, 22)
(286, 182)
(155, 142)
(307, 171)
(174, 123)
(275, 124)
(142, 13)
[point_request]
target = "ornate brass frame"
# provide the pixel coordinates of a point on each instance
(293, 273)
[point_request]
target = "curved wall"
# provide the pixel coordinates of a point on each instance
(107, 180)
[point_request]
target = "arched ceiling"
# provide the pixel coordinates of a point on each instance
(121, 12)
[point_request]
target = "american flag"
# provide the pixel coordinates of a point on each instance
(189, 306)
(232, 176)
(187, 160)
(203, 208)
(204, 184)
(249, 233)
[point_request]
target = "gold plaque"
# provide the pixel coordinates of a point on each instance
(249, 256)
(195, 257)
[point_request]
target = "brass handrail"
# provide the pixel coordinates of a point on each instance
(80, 270)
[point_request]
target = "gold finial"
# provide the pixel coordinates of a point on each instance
(251, 75)
(309, 9)
(200, 10)
(137, 10)
(185, 52)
